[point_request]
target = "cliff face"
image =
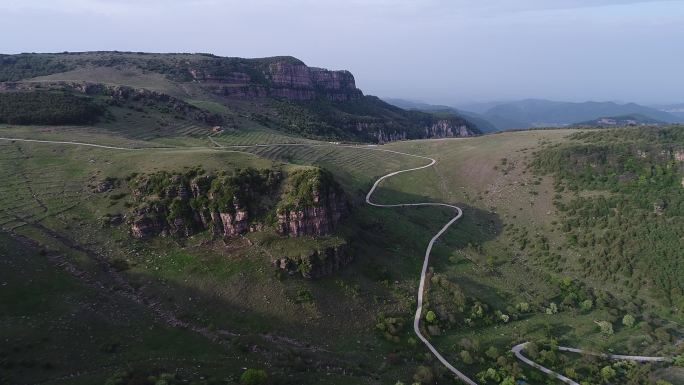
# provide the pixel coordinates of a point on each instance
(284, 94)
(285, 78)
(184, 204)
(445, 128)
(318, 263)
(312, 205)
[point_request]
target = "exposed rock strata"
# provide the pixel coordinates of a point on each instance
(313, 205)
(318, 263)
(184, 204)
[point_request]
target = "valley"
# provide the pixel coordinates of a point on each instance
(222, 218)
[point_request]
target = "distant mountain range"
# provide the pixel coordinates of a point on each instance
(539, 113)
(673, 109)
(496, 116)
(621, 121)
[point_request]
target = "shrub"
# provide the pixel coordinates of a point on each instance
(424, 375)
(628, 320)
(254, 377)
(430, 316)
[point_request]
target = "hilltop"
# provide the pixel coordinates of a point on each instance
(280, 93)
(545, 113)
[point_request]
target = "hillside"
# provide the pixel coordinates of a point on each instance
(190, 219)
(279, 93)
(542, 113)
(621, 121)
(478, 120)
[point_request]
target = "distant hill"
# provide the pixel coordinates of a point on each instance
(536, 113)
(280, 93)
(673, 109)
(622, 121)
(480, 122)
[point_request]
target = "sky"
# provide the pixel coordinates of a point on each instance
(438, 51)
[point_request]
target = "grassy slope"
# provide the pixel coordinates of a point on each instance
(236, 289)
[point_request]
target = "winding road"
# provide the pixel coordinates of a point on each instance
(426, 260)
(517, 350)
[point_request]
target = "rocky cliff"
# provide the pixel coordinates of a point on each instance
(285, 77)
(313, 204)
(318, 263)
(283, 93)
(229, 205)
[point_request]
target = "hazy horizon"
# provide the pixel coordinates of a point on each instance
(435, 51)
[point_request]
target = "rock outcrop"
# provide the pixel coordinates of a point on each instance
(283, 94)
(445, 128)
(313, 204)
(318, 263)
(230, 205)
(285, 78)
(184, 204)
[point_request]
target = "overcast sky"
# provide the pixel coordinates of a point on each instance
(440, 51)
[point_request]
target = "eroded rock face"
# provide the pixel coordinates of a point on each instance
(317, 220)
(285, 78)
(315, 207)
(184, 204)
(447, 129)
(317, 264)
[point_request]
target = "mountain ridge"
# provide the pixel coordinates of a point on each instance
(279, 92)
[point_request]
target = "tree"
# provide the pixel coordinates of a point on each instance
(586, 305)
(424, 375)
(607, 373)
(523, 307)
(628, 320)
(605, 326)
(430, 316)
(678, 360)
(492, 352)
(466, 358)
(254, 377)
(552, 309)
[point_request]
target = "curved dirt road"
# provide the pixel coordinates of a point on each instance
(426, 260)
(517, 350)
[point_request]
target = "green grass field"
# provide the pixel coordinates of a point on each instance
(232, 287)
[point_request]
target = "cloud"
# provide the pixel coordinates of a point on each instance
(121, 7)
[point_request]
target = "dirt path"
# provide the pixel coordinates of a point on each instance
(170, 319)
(518, 349)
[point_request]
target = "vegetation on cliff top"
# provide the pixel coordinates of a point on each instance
(305, 186)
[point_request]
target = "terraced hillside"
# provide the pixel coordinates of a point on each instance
(280, 93)
(210, 225)
(490, 284)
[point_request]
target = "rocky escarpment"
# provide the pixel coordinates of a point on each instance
(229, 205)
(280, 77)
(312, 204)
(318, 263)
(184, 204)
(283, 93)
